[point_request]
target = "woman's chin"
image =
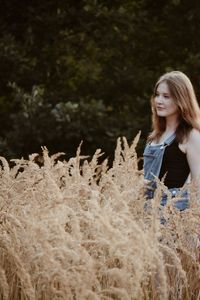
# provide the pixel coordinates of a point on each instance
(161, 114)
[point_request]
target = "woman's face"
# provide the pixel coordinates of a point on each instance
(164, 104)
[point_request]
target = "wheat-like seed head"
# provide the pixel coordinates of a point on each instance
(78, 229)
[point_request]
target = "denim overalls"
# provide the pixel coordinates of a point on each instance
(153, 157)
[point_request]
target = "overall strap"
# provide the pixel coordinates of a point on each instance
(153, 157)
(170, 139)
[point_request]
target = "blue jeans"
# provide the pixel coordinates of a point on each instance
(181, 204)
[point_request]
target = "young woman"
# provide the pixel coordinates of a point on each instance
(173, 148)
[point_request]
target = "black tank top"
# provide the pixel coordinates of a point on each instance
(175, 166)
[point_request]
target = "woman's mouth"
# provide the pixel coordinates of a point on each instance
(159, 108)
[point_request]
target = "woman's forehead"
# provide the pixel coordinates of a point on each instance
(163, 87)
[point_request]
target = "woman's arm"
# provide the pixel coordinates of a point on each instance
(193, 154)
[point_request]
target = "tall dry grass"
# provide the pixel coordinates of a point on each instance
(78, 230)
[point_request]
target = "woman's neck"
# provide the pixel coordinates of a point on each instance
(171, 124)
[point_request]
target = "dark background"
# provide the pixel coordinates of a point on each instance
(85, 70)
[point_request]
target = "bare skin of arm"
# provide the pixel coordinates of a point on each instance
(193, 156)
(193, 153)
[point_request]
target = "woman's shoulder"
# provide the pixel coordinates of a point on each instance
(193, 151)
(194, 135)
(193, 139)
(191, 142)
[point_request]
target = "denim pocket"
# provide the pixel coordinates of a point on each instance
(182, 203)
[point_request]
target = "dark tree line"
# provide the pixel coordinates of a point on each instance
(84, 70)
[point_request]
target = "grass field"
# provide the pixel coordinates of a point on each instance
(78, 230)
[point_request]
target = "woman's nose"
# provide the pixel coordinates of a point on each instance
(159, 99)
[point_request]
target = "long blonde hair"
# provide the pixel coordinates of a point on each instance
(182, 92)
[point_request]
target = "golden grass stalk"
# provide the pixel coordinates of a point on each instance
(78, 229)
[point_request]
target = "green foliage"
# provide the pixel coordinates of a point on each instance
(85, 70)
